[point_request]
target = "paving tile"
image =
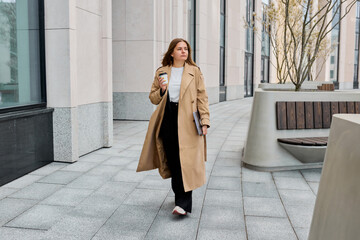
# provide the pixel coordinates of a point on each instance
(225, 183)
(213, 151)
(80, 166)
(302, 233)
(155, 182)
(224, 234)
(229, 154)
(132, 166)
(312, 175)
(126, 175)
(41, 217)
(23, 181)
(60, 177)
(221, 171)
(146, 197)
(223, 198)
(130, 153)
(314, 187)
(94, 157)
(104, 170)
(4, 191)
(67, 197)
(88, 182)
(269, 228)
(222, 217)
(20, 233)
(292, 174)
(233, 148)
(75, 228)
(114, 151)
(128, 222)
(297, 197)
(291, 183)
(12, 207)
(119, 161)
(50, 168)
(37, 191)
(110, 193)
(84, 210)
(249, 175)
(260, 189)
(264, 207)
(300, 215)
(136, 147)
(167, 227)
(227, 162)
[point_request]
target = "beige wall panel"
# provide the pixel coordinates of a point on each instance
(234, 24)
(59, 68)
(118, 19)
(106, 18)
(139, 56)
(347, 46)
(89, 56)
(93, 6)
(209, 30)
(139, 20)
(107, 75)
(119, 68)
(59, 14)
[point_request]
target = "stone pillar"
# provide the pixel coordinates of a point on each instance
(79, 73)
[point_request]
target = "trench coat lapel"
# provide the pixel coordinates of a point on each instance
(187, 77)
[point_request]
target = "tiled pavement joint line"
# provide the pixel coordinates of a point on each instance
(287, 215)
(307, 182)
(206, 186)
(116, 210)
(207, 183)
(37, 229)
(147, 232)
(242, 199)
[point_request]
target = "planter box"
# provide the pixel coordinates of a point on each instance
(262, 151)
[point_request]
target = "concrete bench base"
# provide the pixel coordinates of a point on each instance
(262, 150)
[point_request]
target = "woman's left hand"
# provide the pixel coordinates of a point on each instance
(204, 129)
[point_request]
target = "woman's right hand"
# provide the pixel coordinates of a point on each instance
(163, 85)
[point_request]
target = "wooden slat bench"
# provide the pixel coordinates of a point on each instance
(310, 115)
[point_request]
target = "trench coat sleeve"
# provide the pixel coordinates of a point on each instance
(155, 92)
(202, 100)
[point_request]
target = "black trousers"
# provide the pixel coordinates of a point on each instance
(169, 135)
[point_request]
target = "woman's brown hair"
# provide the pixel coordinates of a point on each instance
(168, 59)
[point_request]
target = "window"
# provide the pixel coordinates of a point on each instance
(192, 27)
(357, 43)
(265, 47)
(21, 67)
(222, 42)
(335, 38)
(249, 54)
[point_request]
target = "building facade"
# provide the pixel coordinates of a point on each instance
(68, 68)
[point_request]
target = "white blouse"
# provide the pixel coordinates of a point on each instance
(174, 84)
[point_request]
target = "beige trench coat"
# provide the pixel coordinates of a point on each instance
(192, 147)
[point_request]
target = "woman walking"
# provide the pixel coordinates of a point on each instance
(172, 143)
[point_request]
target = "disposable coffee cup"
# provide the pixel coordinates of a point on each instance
(165, 76)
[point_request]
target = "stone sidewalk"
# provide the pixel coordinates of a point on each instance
(102, 197)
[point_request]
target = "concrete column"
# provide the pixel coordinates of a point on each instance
(234, 57)
(78, 61)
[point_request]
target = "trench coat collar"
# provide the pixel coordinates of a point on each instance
(187, 77)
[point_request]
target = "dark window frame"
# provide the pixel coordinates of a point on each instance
(42, 69)
(249, 16)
